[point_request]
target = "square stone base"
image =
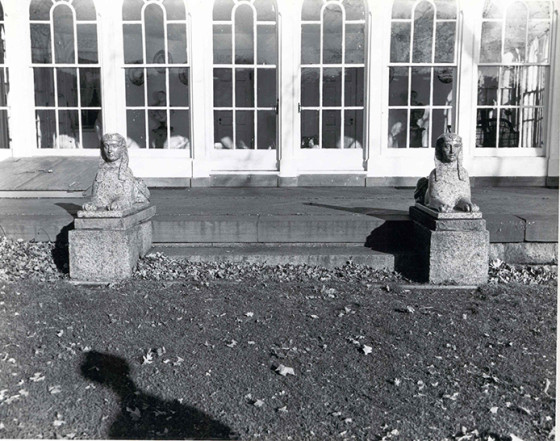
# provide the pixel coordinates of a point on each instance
(104, 250)
(454, 253)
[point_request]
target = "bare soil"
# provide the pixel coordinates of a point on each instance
(203, 359)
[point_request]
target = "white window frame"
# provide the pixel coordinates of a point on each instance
(6, 151)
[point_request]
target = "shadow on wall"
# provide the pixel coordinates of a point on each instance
(144, 416)
(60, 251)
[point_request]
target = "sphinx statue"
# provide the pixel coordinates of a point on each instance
(115, 187)
(448, 187)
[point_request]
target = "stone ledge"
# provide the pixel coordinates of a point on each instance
(114, 220)
(446, 224)
(449, 215)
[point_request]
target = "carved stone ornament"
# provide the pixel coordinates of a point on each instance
(115, 187)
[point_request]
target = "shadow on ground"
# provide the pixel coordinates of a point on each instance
(144, 416)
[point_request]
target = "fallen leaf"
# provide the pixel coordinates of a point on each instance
(514, 438)
(258, 403)
(148, 358)
(494, 409)
(55, 389)
(282, 409)
(284, 370)
(134, 413)
(367, 349)
(58, 423)
(249, 314)
(37, 377)
(232, 344)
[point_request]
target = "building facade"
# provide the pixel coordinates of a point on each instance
(288, 92)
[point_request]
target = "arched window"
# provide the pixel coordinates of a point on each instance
(157, 74)
(245, 54)
(512, 76)
(332, 74)
(422, 72)
(4, 136)
(66, 73)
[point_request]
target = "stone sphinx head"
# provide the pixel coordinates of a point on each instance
(113, 150)
(449, 150)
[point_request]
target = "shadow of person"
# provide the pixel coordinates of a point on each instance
(145, 416)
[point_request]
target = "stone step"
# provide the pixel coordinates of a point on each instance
(325, 256)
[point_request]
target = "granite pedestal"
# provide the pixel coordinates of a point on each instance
(105, 245)
(452, 247)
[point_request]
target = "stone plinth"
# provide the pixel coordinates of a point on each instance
(105, 245)
(452, 247)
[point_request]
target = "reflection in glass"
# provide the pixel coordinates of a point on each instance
(511, 84)
(354, 86)
(444, 50)
(222, 44)
(332, 34)
(446, 9)
(222, 88)
(244, 129)
(85, 10)
(179, 87)
(223, 129)
(354, 9)
(508, 133)
(423, 30)
(266, 44)
(244, 38)
(266, 123)
(400, 42)
(486, 128)
(63, 25)
(91, 128)
(40, 10)
(136, 128)
(222, 10)
(538, 41)
(156, 87)
(420, 86)
(134, 86)
(515, 33)
(153, 28)
(68, 129)
(157, 128)
(310, 86)
(442, 123)
(180, 130)
(331, 129)
(332, 86)
(532, 127)
(87, 43)
(491, 42)
(46, 128)
(244, 88)
(266, 87)
(398, 86)
(488, 86)
(177, 43)
(443, 86)
(43, 86)
(175, 9)
(539, 9)
(402, 9)
(265, 10)
(90, 87)
(4, 133)
(311, 10)
(353, 129)
(354, 43)
(40, 43)
(310, 129)
(132, 42)
(310, 43)
(3, 87)
(419, 127)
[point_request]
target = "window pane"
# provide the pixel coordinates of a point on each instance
(491, 42)
(177, 43)
(156, 87)
(155, 43)
(354, 86)
(223, 129)
(40, 43)
(266, 44)
(538, 42)
(311, 10)
(419, 127)
(85, 10)
(40, 10)
(90, 87)
(222, 44)
(442, 123)
(446, 9)
(403, 8)
(493, 9)
(488, 86)
(310, 129)
(4, 85)
(244, 38)
(180, 130)
(132, 9)
(400, 42)
(508, 135)
(222, 9)
(510, 86)
(265, 10)
(69, 129)
(443, 86)
(134, 84)
(87, 43)
(354, 9)
(46, 128)
(539, 9)
(354, 43)
(515, 33)
(532, 131)
(353, 129)
(179, 87)
(331, 129)
(245, 129)
(44, 86)
(332, 86)
(486, 128)
(132, 42)
(244, 88)
(332, 34)
(423, 30)
(310, 43)
(266, 124)
(398, 86)
(4, 135)
(445, 42)
(91, 128)
(175, 9)
(266, 87)
(63, 25)
(222, 88)
(157, 128)
(136, 128)
(420, 86)
(310, 87)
